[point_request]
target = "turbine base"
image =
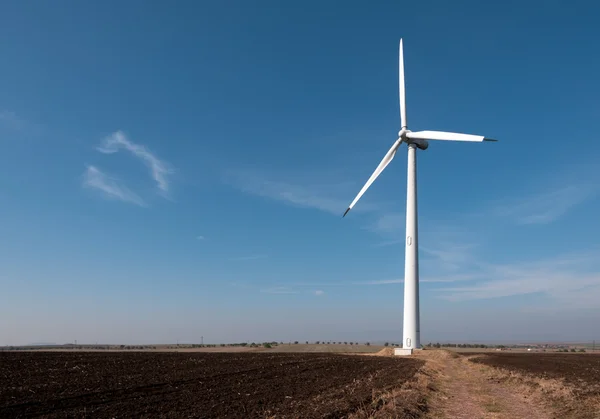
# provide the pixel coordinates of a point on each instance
(403, 351)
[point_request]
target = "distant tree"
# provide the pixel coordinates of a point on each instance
(295, 342)
(386, 344)
(582, 350)
(351, 343)
(267, 345)
(345, 343)
(307, 342)
(317, 342)
(437, 345)
(573, 350)
(368, 343)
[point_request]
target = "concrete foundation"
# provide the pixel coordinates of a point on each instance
(403, 351)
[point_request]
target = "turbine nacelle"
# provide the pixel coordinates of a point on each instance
(421, 144)
(404, 136)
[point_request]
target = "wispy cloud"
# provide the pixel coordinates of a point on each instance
(454, 259)
(319, 293)
(549, 206)
(569, 281)
(13, 122)
(449, 256)
(389, 243)
(110, 187)
(250, 257)
(381, 282)
(200, 238)
(389, 223)
(559, 278)
(158, 168)
(279, 290)
(425, 279)
(330, 197)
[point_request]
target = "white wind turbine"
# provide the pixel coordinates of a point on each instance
(414, 140)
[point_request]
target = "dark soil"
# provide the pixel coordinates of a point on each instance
(579, 371)
(207, 385)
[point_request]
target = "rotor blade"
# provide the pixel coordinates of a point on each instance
(446, 136)
(403, 123)
(384, 162)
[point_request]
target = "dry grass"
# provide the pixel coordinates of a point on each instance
(492, 407)
(384, 352)
(557, 394)
(411, 399)
(408, 401)
(466, 391)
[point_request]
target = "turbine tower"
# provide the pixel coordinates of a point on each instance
(411, 329)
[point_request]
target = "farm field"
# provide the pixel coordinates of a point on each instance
(571, 381)
(210, 385)
(327, 348)
(579, 370)
(285, 348)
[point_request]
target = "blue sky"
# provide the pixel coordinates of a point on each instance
(177, 172)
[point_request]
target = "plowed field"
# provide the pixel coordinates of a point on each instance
(581, 371)
(207, 385)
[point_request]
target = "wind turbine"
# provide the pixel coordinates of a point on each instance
(411, 328)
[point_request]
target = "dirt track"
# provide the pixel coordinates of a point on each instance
(194, 384)
(466, 391)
